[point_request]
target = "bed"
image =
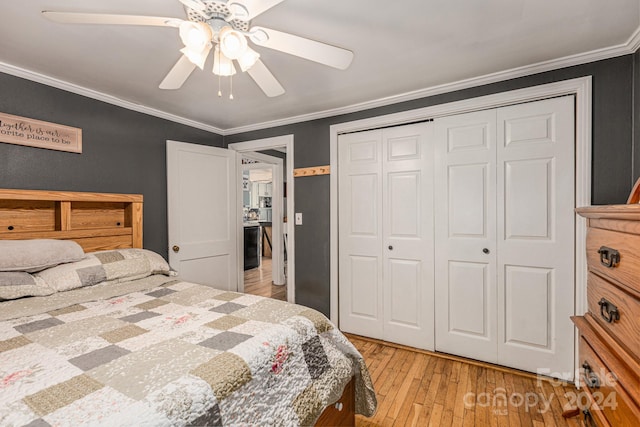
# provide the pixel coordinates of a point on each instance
(109, 335)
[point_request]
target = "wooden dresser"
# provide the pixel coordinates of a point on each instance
(609, 346)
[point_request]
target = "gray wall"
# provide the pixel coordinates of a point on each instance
(636, 115)
(613, 151)
(122, 151)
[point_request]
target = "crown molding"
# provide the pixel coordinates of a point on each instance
(100, 96)
(630, 46)
(634, 41)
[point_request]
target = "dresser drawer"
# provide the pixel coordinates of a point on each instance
(615, 255)
(605, 395)
(616, 311)
(341, 413)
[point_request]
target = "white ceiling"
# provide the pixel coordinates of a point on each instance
(403, 50)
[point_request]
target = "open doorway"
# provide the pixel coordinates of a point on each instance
(263, 204)
(275, 236)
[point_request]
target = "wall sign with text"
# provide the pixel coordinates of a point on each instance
(36, 133)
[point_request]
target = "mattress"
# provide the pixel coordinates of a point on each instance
(161, 352)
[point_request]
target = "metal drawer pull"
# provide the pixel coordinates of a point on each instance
(609, 257)
(588, 419)
(339, 406)
(590, 378)
(608, 311)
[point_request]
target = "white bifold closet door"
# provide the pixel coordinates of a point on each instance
(504, 235)
(386, 234)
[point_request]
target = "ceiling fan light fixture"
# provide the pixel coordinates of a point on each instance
(196, 36)
(248, 59)
(222, 66)
(198, 58)
(232, 43)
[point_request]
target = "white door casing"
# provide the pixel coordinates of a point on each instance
(277, 251)
(249, 148)
(386, 230)
(202, 214)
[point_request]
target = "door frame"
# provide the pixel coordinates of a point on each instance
(580, 87)
(277, 253)
(268, 144)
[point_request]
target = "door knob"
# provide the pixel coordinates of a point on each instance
(176, 248)
(390, 247)
(485, 250)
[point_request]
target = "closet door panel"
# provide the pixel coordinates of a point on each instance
(405, 296)
(527, 313)
(528, 201)
(360, 234)
(465, 230)
(536, 282)
(467, 193)
(408, 235)
(363, 278)
(468, 288)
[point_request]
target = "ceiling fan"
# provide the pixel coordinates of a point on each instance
(223, 26)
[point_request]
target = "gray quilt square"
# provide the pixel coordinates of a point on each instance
(227, 308)
(38, 325)
(161, 292)
(225, 340)
(210, 418)
(109, 257)
(138, 317)
(91, 275)
(38, 423)
(98, 357)
(316, 358)
(16, 278)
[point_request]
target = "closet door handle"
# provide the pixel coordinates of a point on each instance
(390, 247)
(486, 250)
(176, 248)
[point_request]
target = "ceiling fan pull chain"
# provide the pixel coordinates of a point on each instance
(231, 87)
(219, 88)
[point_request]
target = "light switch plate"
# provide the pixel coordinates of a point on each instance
(298, 218)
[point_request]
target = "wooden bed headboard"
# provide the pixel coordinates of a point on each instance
(97, 221)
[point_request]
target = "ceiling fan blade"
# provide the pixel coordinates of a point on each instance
(253, 8)
(178, 74)
(197, 6)
(194, 4)
(312, 50)
(265, 79)
(100, 18)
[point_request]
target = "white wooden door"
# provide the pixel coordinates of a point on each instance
(407, 229)
(360, 234)
(465, 235)
(202, 214)
(505, 235)
(386, 234)
(536, 288)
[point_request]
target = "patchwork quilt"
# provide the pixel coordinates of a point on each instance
(162, 352)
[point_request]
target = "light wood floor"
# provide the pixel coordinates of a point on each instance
(258, 281)
(418, 388)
